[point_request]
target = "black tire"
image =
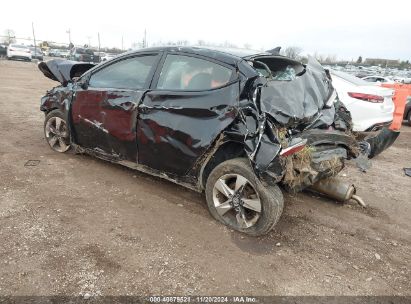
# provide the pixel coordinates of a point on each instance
(270, 197)
(409, 118)
(64, 132)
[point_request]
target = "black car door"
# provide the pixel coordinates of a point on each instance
(192, 100)
(104, 114)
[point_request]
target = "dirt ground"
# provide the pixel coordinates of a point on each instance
(72, 224)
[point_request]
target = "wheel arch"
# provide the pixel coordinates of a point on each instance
(227, 150)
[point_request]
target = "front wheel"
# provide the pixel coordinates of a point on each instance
(57, 131)
(236, 198)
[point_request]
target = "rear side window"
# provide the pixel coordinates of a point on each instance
(129, 73)
(181, 72)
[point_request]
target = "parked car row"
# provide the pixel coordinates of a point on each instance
(18, 51)
(84, 55)
(22, 52)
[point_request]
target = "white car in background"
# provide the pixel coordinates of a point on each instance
(107, 56)
(371, 106)
(64, 54)
(378, 79)
(405, 80)
(18, 51)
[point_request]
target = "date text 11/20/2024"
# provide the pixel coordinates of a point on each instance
(201, 299)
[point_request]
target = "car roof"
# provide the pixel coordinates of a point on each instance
(349, 78)
(379, 76)
(227, 55)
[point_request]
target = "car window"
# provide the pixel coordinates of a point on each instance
(129, 73)
(181, 72)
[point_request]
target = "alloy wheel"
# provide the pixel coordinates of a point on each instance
(236, 201)
(57, 134)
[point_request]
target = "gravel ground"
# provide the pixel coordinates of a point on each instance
(75, 225)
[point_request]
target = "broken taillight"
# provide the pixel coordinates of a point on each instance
(367, 97)
(294, 148)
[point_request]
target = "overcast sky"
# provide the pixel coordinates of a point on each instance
(345, 28)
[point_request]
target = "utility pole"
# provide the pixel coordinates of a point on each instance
(145, 39)
(88, 37)
(9, 32)
(122, 43)
(34, 38)
(69, 33)
(98, 36)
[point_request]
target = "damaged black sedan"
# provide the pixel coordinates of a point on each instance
(234, 125)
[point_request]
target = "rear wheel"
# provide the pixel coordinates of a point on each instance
(409, 118)
(56, 131)
(236, 198)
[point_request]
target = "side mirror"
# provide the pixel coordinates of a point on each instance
(83, 82)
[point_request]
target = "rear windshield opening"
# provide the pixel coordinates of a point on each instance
(280, 68)
(18, 46)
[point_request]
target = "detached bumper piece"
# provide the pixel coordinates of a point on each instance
(382, 141)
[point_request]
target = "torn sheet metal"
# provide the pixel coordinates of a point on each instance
(299, 101)
(62, 70)
(316, 137)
